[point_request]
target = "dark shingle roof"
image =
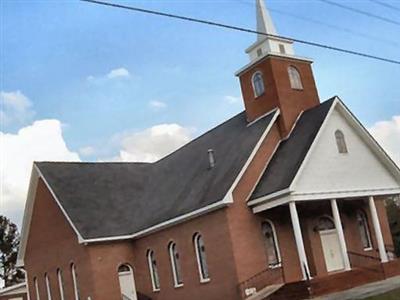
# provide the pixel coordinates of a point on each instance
(113, 199)
(290, 154)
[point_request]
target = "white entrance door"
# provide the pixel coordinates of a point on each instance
(331, 248)
(127, 285)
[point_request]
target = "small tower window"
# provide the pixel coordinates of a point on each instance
(340, 141)
(155, 279)
(259, 52)
(295, 79)
(258, 84)
(282, 49)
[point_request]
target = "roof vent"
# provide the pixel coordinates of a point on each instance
(211, 158)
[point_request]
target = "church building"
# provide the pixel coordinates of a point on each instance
(285, 200)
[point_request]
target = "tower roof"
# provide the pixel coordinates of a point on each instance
(264, 20)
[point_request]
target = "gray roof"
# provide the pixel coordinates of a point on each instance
(114, 199)
(291, 152)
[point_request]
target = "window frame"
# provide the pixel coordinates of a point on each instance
(276, 244)
(201, 261)
(296, 83)
(36, 284)
(60, 284)
(75, 281)
(365, 229)
(155, 284)
(48, 288)
(253, 78)
(175, 265)
(341, 144)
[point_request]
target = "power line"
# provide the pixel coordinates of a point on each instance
(332, 26)
(211, 23)
(385, 4)
(362, 12)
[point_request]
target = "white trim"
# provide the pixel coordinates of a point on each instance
(278, 251)
(174, 262)
(60, 284)
(48, 289)
(262, 117)
(150, 254)
(196, 238)
(75, 281)
(273, 55)
(285, 196)
(36, 284)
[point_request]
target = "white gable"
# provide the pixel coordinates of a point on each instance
(365, 169)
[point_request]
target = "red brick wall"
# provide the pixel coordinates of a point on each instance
(53, 244)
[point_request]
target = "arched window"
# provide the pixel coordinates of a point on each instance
(364, 230)
(126, 282)
(295, 79)
(75, 281)
(60, 284)
(201, 257)
(175, 264)
(340, 141)
(48, 289)
(325, 223)
(35, 283)
(155, 279)
(258, 84)
(271, 244)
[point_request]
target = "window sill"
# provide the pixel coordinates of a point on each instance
(156, 290)
(275, 266)
(177, 286)
(207, 280)
(367, 249)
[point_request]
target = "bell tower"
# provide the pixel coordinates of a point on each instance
(275, 76)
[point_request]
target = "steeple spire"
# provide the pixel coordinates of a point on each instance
(265, 44)
(264, 20)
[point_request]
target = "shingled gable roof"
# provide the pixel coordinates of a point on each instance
(291, 152)
(119, 199)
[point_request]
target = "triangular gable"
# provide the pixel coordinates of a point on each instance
(324, 174)
(365, 169)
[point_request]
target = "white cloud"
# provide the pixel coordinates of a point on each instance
(85, 151)
(387, 134)
(153, 143)
(231, 99)
(41, 141)
(157, 105)
(120, 72)
(15, 107)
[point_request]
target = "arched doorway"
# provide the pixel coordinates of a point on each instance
(127, 282)
(330, 244)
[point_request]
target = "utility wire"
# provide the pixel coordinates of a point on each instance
(361, 12)
(385, 4)
(332, 26)
(211, 23)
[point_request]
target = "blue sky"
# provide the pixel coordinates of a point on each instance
(59, 55)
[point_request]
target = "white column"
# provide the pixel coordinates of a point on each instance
(299, 240)
(377, 230)
(339, 229)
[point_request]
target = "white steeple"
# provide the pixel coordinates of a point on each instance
(264, 21)
(268, 45)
